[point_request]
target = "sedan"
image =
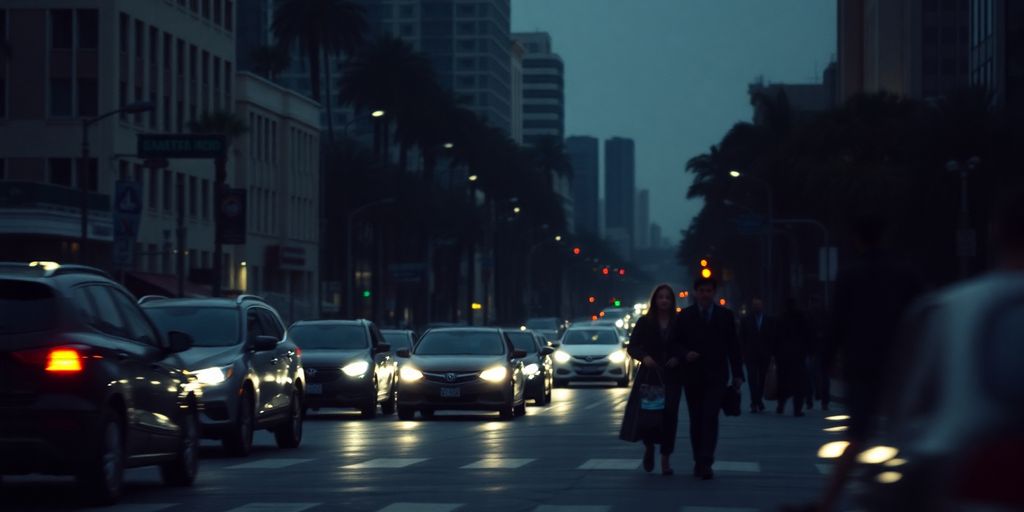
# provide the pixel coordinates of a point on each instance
(347, 364)
(539, 366)
(462, 369)
(593, 354)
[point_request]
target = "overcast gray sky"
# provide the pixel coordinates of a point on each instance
(673, 74)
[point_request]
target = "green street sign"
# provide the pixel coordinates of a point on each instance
(181, 145)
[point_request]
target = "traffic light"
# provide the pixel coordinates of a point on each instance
(577, 251)
(622, 272)
(605, 271)
(617, 303)
(591, 299)
(703, 263)
(705, 273)
(722, 302)
(366, 294)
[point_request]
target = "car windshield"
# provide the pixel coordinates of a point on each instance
(523, 341)
(329, 336)
(590, 337)
(460, 343)
(26, 307)
(208, 327)
(398, 340)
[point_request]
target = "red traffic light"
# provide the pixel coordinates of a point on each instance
(622, 271)
(576, 251)
(605, 271)
(591, 299)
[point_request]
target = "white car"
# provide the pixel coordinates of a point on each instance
(594, 354)
(954, 438)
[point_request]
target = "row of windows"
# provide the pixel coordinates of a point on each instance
(544, 109)
(75, 31)
(65, 172)
(262, 138)
(220, 12)
(981, 20)
(160, 188)
(543, 79)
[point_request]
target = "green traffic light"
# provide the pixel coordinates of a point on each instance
(366, 294)
(618, 303)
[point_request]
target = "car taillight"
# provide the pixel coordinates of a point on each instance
(991, 474)
(54, 360)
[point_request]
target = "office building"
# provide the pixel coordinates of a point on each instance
(620, 193)
(583, 154)
(997, 50)
(804, 100)
(518, 52)
(543, 88)
(641, 232)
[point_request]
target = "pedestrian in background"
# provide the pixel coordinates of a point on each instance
(756, 341)
(791, 350)
(655, 343)
(710, 343)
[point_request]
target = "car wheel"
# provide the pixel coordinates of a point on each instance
(101, 476)
(289, 435)
(507, 411)
(181, 472)
(388, 406)
(238, 442)
(406, 413)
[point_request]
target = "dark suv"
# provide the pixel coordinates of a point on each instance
(250, 372)
(88, 386)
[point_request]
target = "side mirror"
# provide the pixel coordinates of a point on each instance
(179, 341)
(518, 354)
(382, 348)
(264, 343)
(404, 353)
(555, 344)
(547, 351)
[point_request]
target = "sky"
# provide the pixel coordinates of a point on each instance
(673, 74)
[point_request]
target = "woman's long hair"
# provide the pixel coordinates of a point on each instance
(652, 308)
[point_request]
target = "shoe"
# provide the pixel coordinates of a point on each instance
(753, 408)
(666, 469)
(649, 459)
(707, 473)
(697, 468)
(760, 407)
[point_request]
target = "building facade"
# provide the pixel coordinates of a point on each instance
(642, 230)
(543, 88)
(583, 154)
(997, 50)
(620, 193)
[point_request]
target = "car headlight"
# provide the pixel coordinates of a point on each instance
(496, 374)
(531, 369)
(356, 369)
(617, 357)
(214, 375)
(562, 357)
(410, 374)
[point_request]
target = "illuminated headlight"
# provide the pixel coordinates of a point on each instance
(213, 376)
(619, 324)
(356, 369)
(531, 369)
(617, 357)
(562, 357)
(410, 374)
(496, 374)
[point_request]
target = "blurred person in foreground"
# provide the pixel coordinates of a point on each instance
(791, 349)
(756, 342)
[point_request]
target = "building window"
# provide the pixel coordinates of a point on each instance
(205, 199)
(60, 29)
(137, 174)
(227, 85)
(168, 186)
(229, 14)
(154, 188)
(60, 97)
(88, 29)
(88, 97)
(123, 34)
(192, 199)
(216, 83)
(60, 172)
(206, 9)
(122, 170)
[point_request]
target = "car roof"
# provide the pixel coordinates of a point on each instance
(488, 330)
(52, 273)
(359, 322)
(601, 327)
(208, 302)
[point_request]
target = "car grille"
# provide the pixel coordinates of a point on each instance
(322, 375)
(590, 369)
(590, 359)
(451, 377)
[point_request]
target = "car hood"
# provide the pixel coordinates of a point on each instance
(455, 363)
(197, 358)
(332, 358)
(589, 350)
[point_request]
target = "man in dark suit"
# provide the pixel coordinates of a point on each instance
(757, 338)
(709, 340)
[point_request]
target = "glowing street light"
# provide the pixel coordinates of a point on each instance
(378, 113)
(473, 177)
(735, 174)
(449, 145)
(558, 238)
(517, 210)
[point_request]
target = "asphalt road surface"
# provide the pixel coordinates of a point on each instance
(561, 458)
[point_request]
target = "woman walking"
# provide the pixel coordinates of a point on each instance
(654, 342)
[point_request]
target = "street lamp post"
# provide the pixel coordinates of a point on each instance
(83, 168)
(767, 275)
(349, 286)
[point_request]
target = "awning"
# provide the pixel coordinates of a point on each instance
(141, 284)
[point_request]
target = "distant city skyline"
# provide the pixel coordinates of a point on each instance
(673, 75)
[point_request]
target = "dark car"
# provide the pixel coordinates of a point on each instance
(251, 373)
(347, 364)
(88, 386)
(399, 339)
(539, 368)
(462, 369)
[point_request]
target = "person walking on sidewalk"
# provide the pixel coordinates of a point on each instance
(757, 338)
(791, 349)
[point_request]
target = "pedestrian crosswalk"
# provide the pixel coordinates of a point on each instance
(397, 507)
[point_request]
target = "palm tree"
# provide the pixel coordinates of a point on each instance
(322, 29)
(269, 60)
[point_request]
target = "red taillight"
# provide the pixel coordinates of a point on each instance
(53, 360)
(298, 351)
(991, 473)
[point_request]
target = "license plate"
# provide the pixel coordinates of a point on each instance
(451, 392)
(314, 389)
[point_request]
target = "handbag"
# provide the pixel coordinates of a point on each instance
(652, 405)
(771, 382)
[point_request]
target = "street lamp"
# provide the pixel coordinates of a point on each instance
(376, 114)
(735, 174)
(349, 288)
(83, 168)
(449, 145)
(473, 177)
(558, 238)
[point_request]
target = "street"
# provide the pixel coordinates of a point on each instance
(564, 457)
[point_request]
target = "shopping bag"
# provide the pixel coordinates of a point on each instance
(771, 382)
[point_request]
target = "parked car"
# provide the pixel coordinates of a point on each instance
(539, 368)
(954, 433)
(347, 364)
(88, 386)
(251, 373)
(593, 353)
(468, 368)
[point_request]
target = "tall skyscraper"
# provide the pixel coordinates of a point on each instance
(641, 232)
(583, 153)
(543, 88)
(913, 48)
(997, 50)
(620, 193)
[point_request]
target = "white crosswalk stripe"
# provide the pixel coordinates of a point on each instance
(498, 463)
(384, 463)
(421, 507)
(269, 464)
(274, 507)
(141, 507)
(718, 509)
(572, 508)
(611, 464)
(746, 467)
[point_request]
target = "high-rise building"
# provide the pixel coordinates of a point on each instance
(518, 52)
(620, 193)
(913, 48)
(583, 154)
(997, 50)
(543, 88)
(641, 236)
